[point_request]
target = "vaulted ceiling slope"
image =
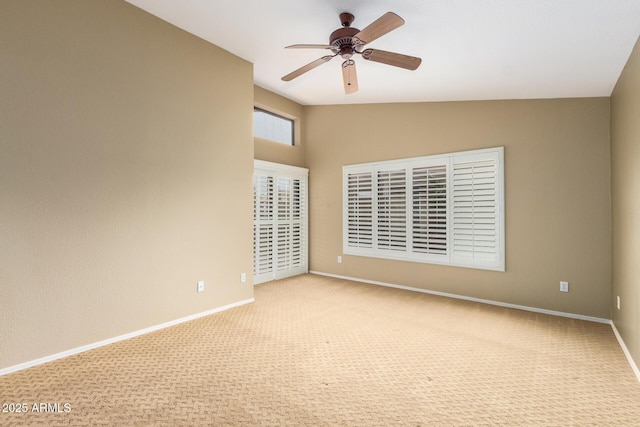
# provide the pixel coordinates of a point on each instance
(470, 49)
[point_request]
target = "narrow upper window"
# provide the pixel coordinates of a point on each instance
(273, 127)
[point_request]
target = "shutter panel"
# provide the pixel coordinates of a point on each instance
(263, 225)
(284, 226)
(298, 249)
(392, 210)
(291, 239)
(359, 224)
(430, 210)
(475, 212)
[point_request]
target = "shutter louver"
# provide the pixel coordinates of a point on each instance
(392, 210)
(475, 212)
(430, 210)
(359, 210)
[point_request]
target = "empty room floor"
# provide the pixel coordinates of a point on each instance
(320, 351)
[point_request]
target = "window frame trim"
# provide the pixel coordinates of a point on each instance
(293, 121)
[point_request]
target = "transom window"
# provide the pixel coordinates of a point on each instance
(444, 209)
(271, 126)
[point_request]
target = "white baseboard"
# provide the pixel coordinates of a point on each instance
(466, 298)
(108, 341)
(634, 367)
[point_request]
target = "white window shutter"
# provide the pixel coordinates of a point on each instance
(263, 228)
(392, 210)
(430, 210)
(476, 216)
(289, 238)
(298, 214)
(359, 210)
(285, 204)
(280, 221)
(442, 209)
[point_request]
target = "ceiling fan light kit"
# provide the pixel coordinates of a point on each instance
(349, 41)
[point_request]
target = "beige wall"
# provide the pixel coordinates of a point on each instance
(125, 174)
(625, 191)
(274, 151)
(557, 193)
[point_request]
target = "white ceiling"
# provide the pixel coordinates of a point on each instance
(470, 49)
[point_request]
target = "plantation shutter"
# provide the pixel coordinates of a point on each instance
(392, 210)
(476, 211)
(284, 224)
(359, 223)
(291, 247)
(298, 216)
(280, 221)
(443, 209)
(430, 210)
(263, 228)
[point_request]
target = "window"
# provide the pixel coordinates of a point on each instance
(279, 221)
(444, 209)
(273, 127)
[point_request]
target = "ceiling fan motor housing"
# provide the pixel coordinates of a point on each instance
(342, 41)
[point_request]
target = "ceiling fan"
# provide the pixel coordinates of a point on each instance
(348, 41)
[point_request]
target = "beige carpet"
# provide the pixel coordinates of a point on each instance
(325, 352)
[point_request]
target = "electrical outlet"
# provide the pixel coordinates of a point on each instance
(564, 286)
(243, 277)
(200, 285)
(339, 259)
(618, 301)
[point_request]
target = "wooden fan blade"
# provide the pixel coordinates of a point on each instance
(310, 66)
(391, 58)
(378, 28)
(309, 46)
(349, 76)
